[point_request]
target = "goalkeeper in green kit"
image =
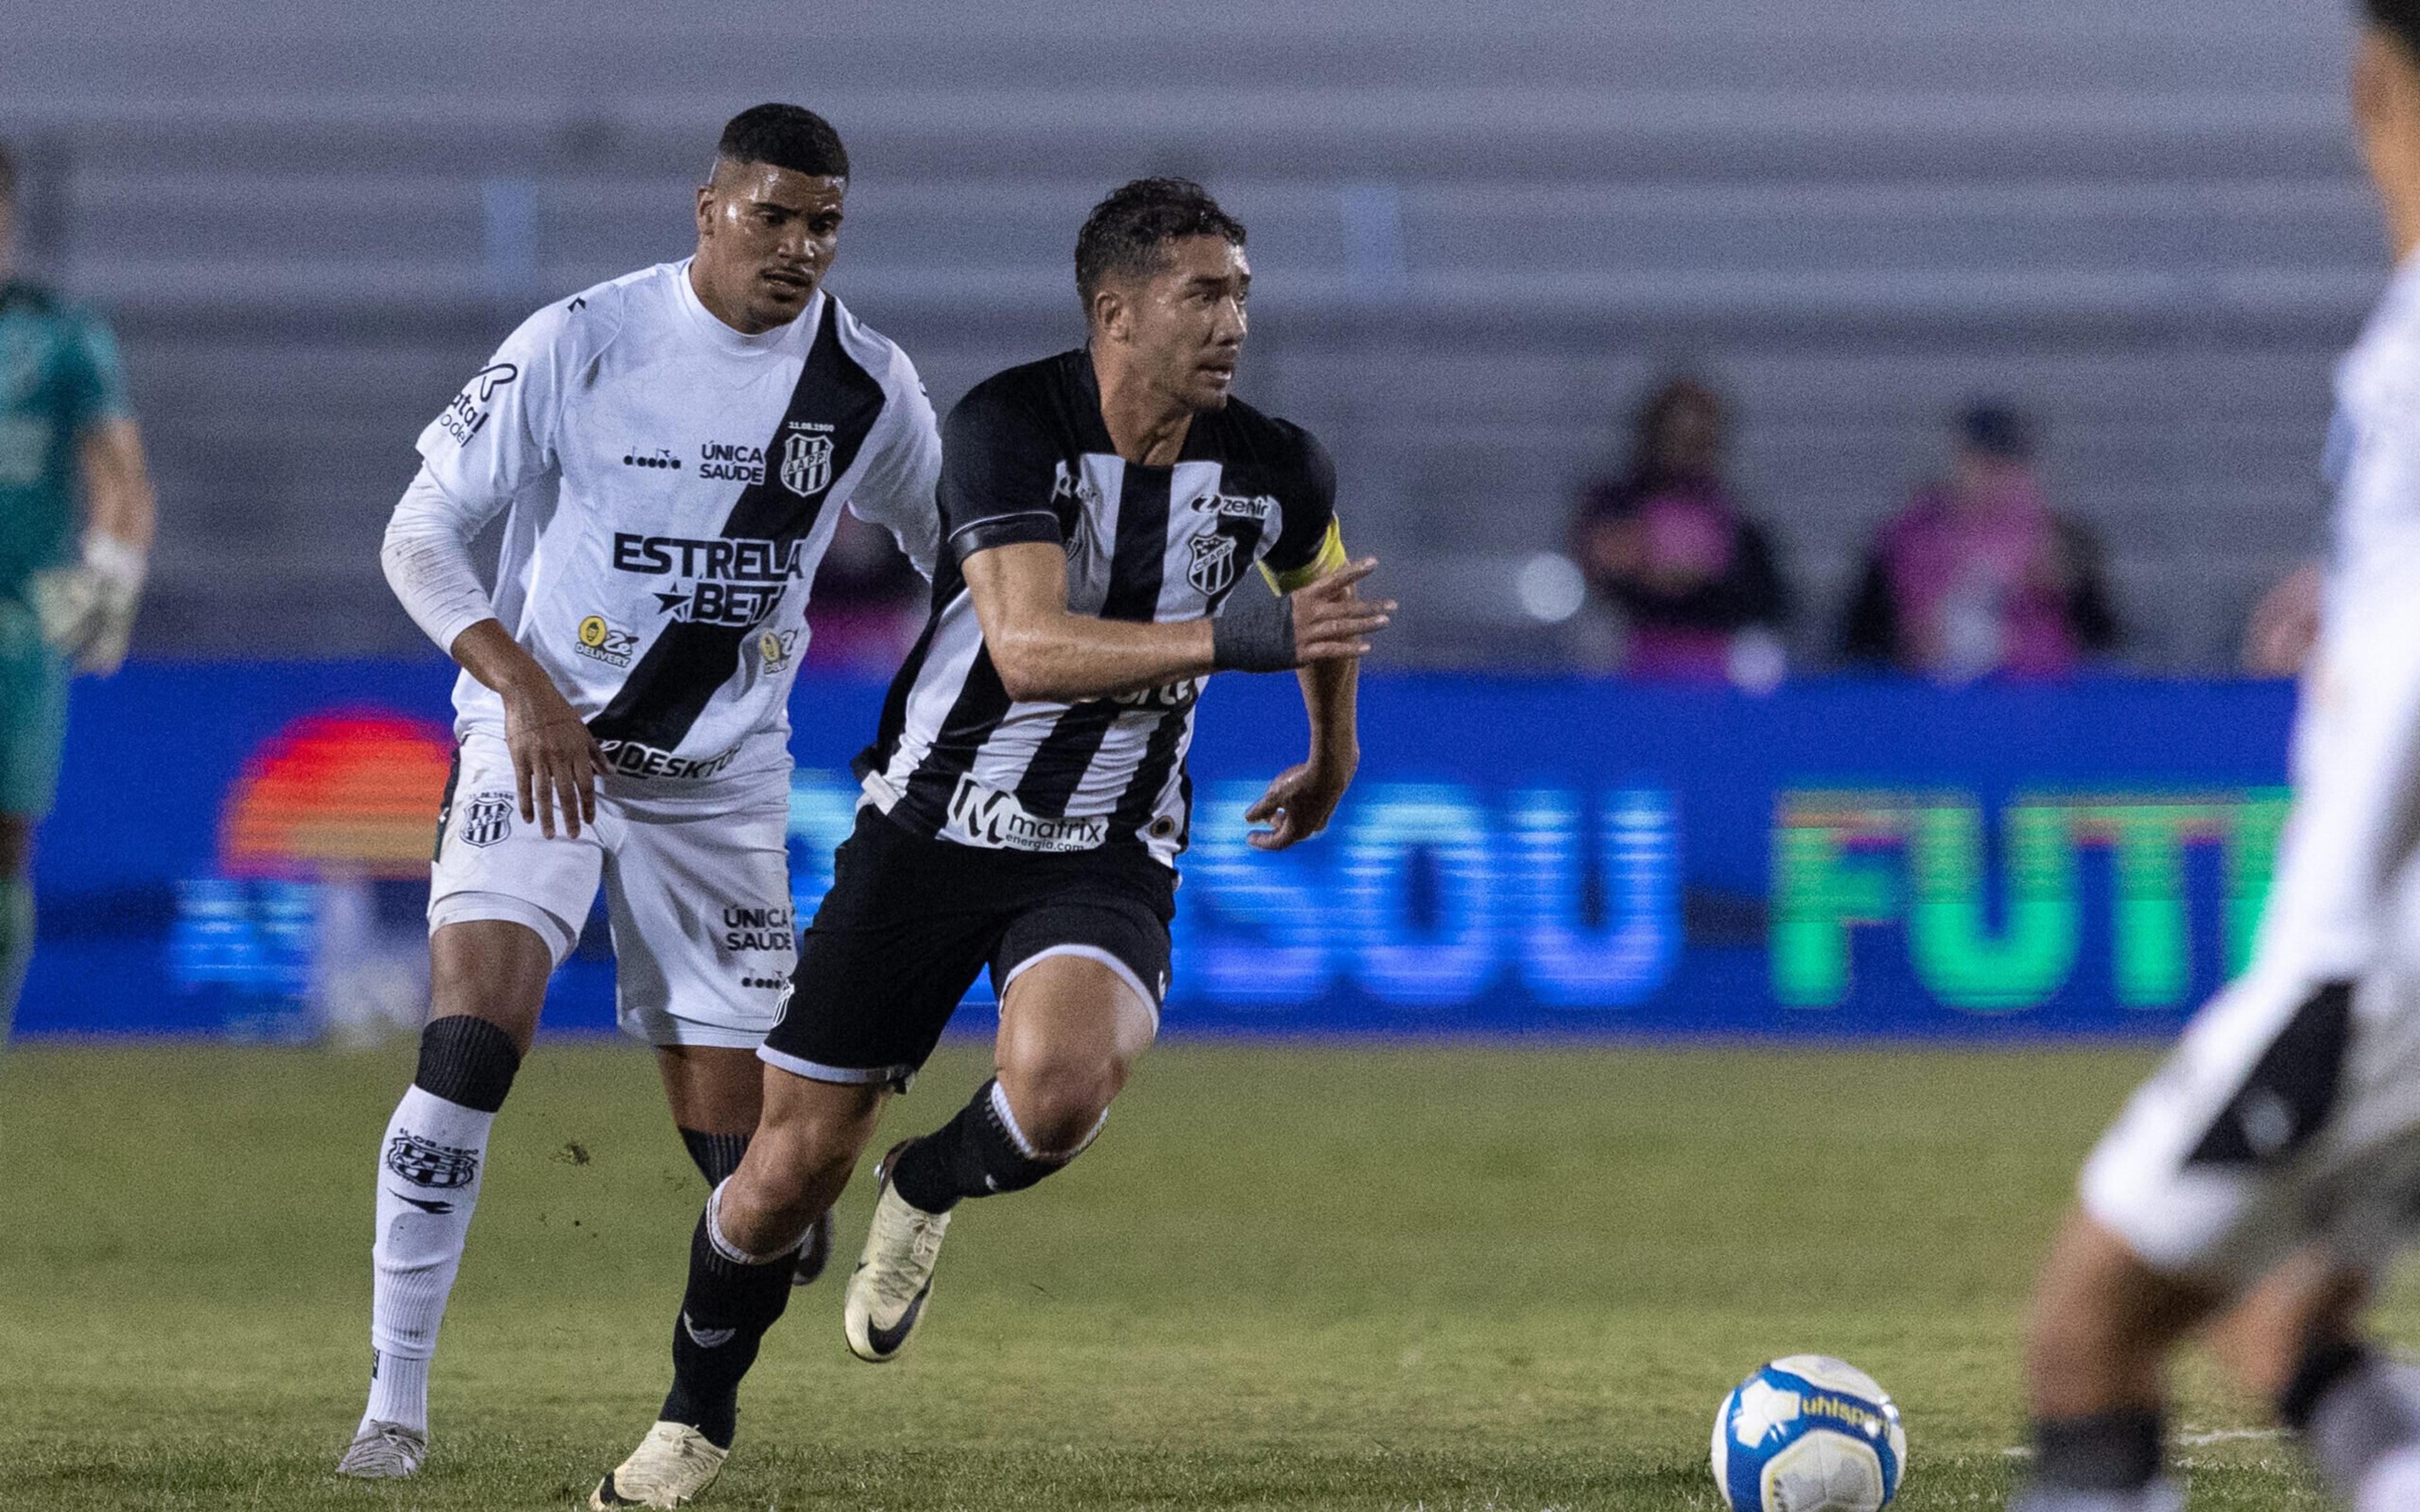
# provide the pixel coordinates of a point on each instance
(69, 455)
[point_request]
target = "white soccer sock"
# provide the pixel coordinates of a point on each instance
(429, 1166)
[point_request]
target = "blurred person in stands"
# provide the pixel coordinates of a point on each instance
(869, 604)
(2285, 628)
(1668, 545)
(1978, 574)
(70, 453)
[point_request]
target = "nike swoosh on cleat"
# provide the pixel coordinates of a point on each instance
(421, 1205)
(886, 1341)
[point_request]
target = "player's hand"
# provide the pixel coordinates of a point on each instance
(1332, 621)
(554, 757)
(1297, 806)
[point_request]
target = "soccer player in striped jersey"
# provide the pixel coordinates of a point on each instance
(1025, 796)
(670, 453)
(2270, 1171)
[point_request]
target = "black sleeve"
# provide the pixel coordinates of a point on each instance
(1309, 498)
(1869, 631)
(1001, 475)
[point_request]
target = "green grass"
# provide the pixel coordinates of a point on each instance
(1288, 1277)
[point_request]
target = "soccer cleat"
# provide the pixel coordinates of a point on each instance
(894, 1278)
(671, 1466)
(383, 1451)
(816, 1254)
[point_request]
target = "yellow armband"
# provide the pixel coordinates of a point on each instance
(1330, 557)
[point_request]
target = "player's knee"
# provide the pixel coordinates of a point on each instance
(467, 1060)
(1059, 1099)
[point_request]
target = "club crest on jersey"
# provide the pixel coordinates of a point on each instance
(806, 463)
(487, 818)
(1210, 564)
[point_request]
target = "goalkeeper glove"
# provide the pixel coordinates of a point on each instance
(87, 609)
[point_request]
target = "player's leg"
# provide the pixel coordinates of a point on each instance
(33, 728)
(698, 897)
(503, 911)
(895, 945)
(1079, 1002)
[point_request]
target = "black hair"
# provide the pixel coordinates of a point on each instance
(1127, 233)
(784, 136)
(1997, 430)
(2399, 19)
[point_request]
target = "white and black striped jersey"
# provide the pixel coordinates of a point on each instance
(673, 484)
(1027, 457)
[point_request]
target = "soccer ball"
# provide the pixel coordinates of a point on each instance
(1808, 1433)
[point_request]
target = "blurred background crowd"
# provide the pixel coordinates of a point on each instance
(1725, 342)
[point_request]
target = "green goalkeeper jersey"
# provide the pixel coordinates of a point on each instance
(59, 377)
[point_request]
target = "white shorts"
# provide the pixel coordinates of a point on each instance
(2290, 1110)
(697, 892)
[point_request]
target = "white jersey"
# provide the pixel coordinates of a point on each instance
(671, 484)
(2373, 457)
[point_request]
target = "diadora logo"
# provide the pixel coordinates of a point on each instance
(657, 457)
(602, 641)
(1235, 506)
(487, 818)
(807, 458)
(738, 580)
(1210, 564)
(467, 413)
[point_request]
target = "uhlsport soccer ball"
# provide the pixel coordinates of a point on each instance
(1808, 1434)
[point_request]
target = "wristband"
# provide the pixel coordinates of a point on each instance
(1253, 634)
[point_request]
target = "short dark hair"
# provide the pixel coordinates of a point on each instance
(783, 136)
(1127, 233)
(2399, 19)
(1993, 427)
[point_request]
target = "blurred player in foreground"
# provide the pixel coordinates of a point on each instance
(65, 427)
(671, 452)
(2272, 1166)
(1025, 796)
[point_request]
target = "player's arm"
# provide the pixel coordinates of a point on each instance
(426, 556)
(120, 520)
(1303, 798)
(1042, 651)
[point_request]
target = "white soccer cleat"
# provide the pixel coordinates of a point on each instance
(671, 1466)
(894, 1278)
(383, 1451)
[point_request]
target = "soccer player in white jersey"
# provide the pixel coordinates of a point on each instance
(2272, 1166)
(1026, 795)
(671, 452)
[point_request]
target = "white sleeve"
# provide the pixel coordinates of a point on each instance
(498, 433)
(898, 492)
(428, 559)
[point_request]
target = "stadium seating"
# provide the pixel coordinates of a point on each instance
(1476, 239)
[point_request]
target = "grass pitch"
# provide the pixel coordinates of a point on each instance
(1398, 1280)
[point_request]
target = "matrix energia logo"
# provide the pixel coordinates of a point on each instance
(1996, 923)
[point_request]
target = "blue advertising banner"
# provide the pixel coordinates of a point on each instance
(241, 850)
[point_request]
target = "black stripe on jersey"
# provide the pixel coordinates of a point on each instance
(887, 735)
(1138, 561)
(1159, 752)
(680, 672)
(981, 705)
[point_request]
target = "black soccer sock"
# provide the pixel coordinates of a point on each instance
(717, 1155)
(729, 1304)
(974, 1155)
(2118, 1450)
(466, 1059)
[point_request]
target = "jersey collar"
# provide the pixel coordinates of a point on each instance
(722, 337)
